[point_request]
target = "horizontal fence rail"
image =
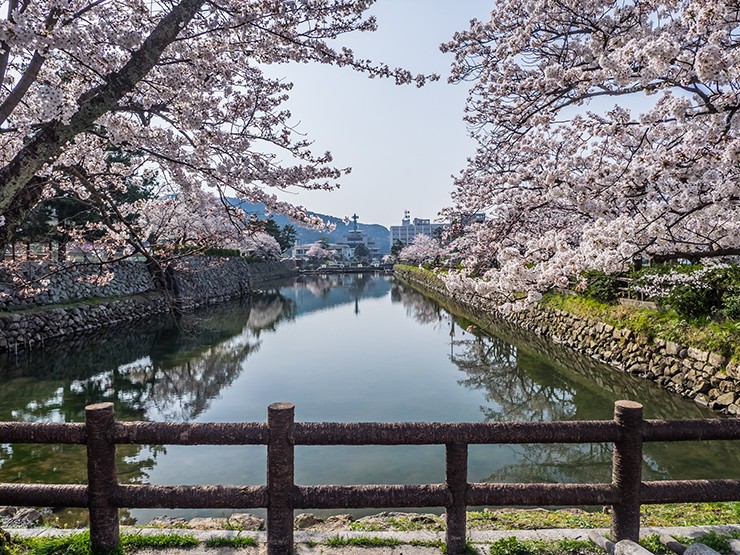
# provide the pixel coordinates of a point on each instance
(103, 495)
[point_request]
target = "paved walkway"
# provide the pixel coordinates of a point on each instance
(313, 543)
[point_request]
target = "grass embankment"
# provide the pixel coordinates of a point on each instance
(79, 544)
(681, 514)
(687, 514)
(704, 334)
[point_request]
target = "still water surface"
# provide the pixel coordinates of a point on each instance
(342, 348)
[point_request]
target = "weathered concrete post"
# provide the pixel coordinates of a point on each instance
(280, 476)
(627, 471)
(457, 483)
(101, 478)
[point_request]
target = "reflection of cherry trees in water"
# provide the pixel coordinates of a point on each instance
(171, 372)
(422, 309)
(518, 387)
(319, 285)
(268, 309)
(204, 356)
(528, 379)
(491, 365)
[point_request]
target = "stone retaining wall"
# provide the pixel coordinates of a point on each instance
(29, 329)
(708, 378)
(202, 280)
(43, 300)
(39, 283)
(266, 271)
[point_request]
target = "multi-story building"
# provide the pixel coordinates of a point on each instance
(409, 229)
(356, 237)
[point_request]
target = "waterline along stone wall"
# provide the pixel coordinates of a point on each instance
(201, 280)
(41, 300)
(708, 378)
(266, 271)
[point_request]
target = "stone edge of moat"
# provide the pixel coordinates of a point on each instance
(120, 294)
(708, 378)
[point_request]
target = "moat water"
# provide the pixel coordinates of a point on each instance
(342, 348)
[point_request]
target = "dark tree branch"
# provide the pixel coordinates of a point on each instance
(49, 141)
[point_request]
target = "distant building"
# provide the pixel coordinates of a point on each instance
(409, 229)
(477, 218)
(355, 237)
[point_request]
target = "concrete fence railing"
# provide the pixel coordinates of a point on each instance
(103, 495)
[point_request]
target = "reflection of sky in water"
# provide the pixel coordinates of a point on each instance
(342, 348)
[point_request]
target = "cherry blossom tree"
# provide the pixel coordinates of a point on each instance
(178, 86)
(421, 248)
(606, 131)
(319, 251)
(261, 245)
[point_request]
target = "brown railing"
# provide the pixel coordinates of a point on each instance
(280, 496)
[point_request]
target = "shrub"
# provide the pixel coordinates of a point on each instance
(731, 306)
(690, 301)
(600, 286)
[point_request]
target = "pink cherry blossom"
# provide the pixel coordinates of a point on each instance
(177, 85)
(606, 132)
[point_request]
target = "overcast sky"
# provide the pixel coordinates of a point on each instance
(402, 143)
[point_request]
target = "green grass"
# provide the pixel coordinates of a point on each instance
(653, 544)
(682, 514)
(238, 541)
(79, 544)
(536, 519)
(685, 514)
(403, 523)
(690, 514)
(339, 541)
(707, 335)
(513, 546)
(718, 542)
(132, 542)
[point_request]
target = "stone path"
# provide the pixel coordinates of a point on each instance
(313, 542)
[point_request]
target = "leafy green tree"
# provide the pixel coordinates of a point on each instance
(397, 247)
(287, 237)
(65, 214)
(361, 252)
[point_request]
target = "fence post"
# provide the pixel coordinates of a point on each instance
(627, 471)
(457, 483)
(101, 478)
(280, 476)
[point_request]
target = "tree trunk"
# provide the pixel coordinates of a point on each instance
(20, 173)
(19, 209)
(62, 251)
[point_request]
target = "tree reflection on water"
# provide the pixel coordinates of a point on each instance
(165, 369)
(550, 383)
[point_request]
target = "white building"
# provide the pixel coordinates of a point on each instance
(356, 237)
(409, 229)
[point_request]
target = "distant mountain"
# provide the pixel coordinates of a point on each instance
(376, 232)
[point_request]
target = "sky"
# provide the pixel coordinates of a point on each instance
(403, 143)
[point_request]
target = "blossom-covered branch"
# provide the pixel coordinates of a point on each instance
(606, 131)
(178, 86)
